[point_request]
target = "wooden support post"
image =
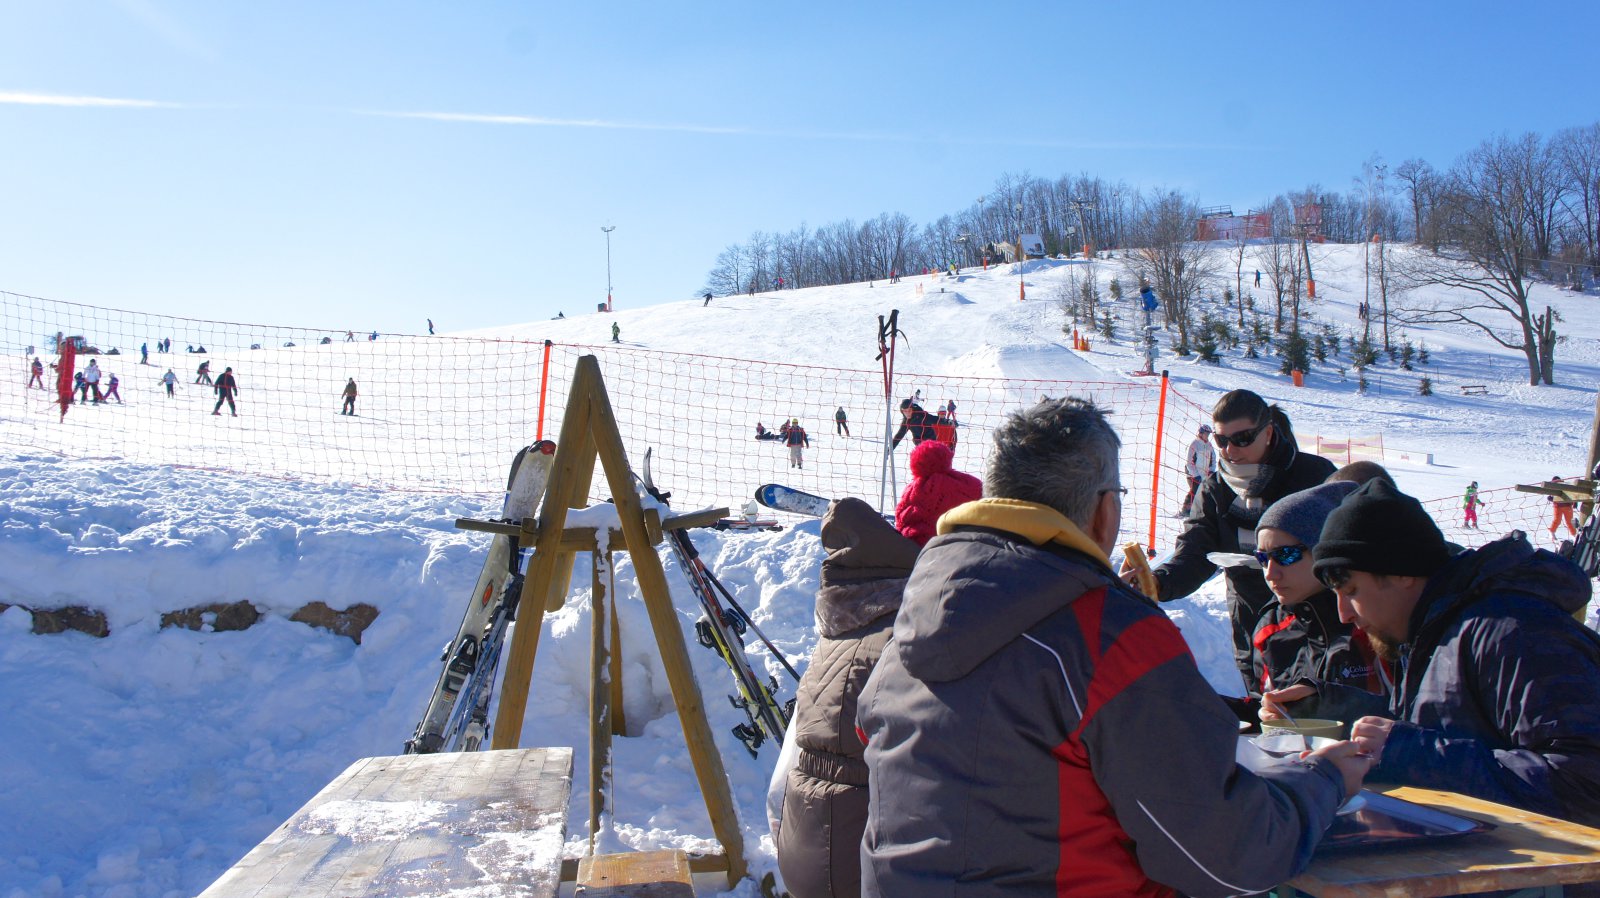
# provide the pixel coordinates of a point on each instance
(589, 433)
(619, 722)
(574, 453)
(652, 579)
(599, 701)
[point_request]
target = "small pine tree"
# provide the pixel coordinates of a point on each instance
(1363, 353)
(1108, 326)
(1319, 348)
(1361, 382)
(1407, 352)
(1116, 289)
(1294, 351)
(1332, 337)
(1422, 354)
(1425, 386)
(1206, 343)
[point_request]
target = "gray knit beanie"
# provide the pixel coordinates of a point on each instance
(1302, 514)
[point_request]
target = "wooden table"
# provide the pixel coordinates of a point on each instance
(489, 823)
(1527, 851)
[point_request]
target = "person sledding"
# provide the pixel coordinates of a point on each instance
(762, 433)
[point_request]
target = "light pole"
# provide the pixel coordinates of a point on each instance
(608, 229)
(1022, 290)
(1083, 229)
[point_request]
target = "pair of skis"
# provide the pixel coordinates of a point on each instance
(457, 716)
(722, 629)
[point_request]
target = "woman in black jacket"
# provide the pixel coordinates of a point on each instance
(1258, 463)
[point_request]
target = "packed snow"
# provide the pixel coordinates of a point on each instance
(148, 762)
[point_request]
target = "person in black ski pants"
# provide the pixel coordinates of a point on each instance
(226, 386)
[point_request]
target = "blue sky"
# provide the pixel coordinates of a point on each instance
(368, 165)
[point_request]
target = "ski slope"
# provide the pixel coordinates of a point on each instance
(146, 763)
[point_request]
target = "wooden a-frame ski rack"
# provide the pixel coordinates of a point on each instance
(589, 432)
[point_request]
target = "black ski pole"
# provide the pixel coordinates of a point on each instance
(750, 622)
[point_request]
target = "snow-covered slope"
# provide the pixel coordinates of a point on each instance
(146, 763)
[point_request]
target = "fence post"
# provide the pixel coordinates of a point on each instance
(1155, 463)
(544, 385)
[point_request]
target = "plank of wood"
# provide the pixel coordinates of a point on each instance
(638, 874)
(490, 822)
(1525, 850)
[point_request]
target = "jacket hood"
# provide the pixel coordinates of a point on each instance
(865, 570)
(1509, 564)
(999, 567)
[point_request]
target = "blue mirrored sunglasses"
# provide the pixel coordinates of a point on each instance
(1282, 555)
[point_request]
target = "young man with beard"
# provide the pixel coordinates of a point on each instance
(1497, 687)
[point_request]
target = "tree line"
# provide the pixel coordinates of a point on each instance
(1511, 212)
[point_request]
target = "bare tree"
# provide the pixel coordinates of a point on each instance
(1577, 153)
(1170, 259)
(1488, 239)
(1421, 183)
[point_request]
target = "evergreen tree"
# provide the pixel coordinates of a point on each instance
(1407, 352)
(1425, 386)
(1319, 348)
(1108, 326)
(1294, 351)
(1422, 354)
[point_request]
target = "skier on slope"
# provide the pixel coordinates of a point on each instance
(916, 422)
(616, 332)
(1198, 464)
(1470, 504)
(226, 386)
(80, 386)
(169, 379)
(202, 374)
(795, 439)
(91, 376)
(111, 390)
(349, 398)
(841, 422)
(1563, 513)
(38, 373)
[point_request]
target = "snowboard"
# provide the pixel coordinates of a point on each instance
(782, 498)
(463, 656)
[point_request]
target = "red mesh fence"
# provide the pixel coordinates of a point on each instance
(447, 413)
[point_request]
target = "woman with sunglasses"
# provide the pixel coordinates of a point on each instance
(1258, 463)
(1300, 636)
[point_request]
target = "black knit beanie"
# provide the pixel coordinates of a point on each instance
(1380, 530)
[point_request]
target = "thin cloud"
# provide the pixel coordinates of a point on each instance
(856, 136)
(20, 98)
(542, 121)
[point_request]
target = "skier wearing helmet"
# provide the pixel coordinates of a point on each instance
(1200, 461)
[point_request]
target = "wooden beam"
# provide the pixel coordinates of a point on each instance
(574, 441)
(599, 699)
(583, 539)
(712, 776)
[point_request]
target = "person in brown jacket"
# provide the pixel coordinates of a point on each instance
(825, 800)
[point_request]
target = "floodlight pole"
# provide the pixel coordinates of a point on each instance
(1022, 256)
(608, 229)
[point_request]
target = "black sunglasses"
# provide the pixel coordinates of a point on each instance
(1334, 577)
(1241, 439)
(1285, 555)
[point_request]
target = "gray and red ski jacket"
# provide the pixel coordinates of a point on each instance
(1034, 728)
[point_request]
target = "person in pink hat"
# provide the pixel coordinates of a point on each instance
(935, 488)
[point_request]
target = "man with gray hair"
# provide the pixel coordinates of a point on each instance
(1035, 727)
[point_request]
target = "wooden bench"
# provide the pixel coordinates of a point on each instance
(1476, 389)
(491, 823)
(635, 874)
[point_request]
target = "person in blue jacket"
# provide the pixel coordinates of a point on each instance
(1497, 686)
